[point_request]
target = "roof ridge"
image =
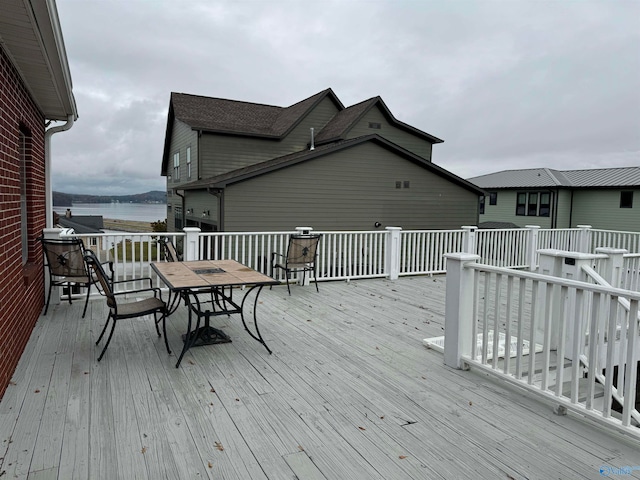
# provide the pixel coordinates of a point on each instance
(553, 177)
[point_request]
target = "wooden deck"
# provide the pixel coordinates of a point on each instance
(350, 392)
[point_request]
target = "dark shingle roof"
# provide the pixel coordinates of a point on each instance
(242, 118)
(343, 121)
(549, 178)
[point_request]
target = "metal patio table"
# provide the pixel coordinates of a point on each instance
(190, 280)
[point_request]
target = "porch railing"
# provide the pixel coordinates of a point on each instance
(346, 255)
(571, 341)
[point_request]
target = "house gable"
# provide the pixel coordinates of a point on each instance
(329, 192)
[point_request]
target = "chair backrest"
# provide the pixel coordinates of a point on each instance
(92, 261)
(303, 249)
(65, 257)
(169, 250)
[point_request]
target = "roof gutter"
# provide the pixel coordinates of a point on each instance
(47, 167)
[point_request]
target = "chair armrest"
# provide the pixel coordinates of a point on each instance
(276, 254)
(156, 292)
(134, 280)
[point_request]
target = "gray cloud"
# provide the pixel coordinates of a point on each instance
(505, 84)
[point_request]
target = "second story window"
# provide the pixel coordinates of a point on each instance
(176, 166)
(188, 162)
(493, 198)
(626, 199)
(482, 200)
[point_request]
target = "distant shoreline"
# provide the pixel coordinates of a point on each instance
(130, 226)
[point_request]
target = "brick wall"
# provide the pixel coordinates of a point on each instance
(21, 285)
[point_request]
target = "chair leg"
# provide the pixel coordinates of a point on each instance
(164, 331)
(86, 302)
(315, 278)
(48, 296)
(288, 288)
(104, 329)
(69, 292)
(113, 327)
(156, 321)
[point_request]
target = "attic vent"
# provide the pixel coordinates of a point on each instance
(375, 125)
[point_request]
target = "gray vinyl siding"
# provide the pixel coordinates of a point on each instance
(601, 209)
(564, 209)
(182, 137)
(407, 140)
(505, 210)
(332, 193)
(224, 153)
(201, 201)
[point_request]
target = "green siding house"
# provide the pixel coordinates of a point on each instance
(606, 198)
(238, 166)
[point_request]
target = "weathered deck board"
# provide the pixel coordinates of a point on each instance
(350, 391)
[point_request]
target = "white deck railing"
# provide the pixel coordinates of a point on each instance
(572, 342)
(346, 255)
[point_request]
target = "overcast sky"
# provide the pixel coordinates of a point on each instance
(505, 83)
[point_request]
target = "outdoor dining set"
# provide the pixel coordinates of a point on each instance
(207, 288)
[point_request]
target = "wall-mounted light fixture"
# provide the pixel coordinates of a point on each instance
(205, 213)
(189, 211)
(377, 224)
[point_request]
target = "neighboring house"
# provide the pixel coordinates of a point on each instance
(35, 87)
(238, 166)
(606, 198)
(80, 223)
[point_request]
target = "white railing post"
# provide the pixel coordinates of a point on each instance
(469, 244)
(51, 234)
(572, 269)
(532, 246)
(304, 280)
(392, 253)
(611, 267)
(191, 242)
(458, 322)
(584, 240)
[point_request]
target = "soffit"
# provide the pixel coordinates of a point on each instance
(30, 34)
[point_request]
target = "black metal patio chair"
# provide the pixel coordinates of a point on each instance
(302, 256)
(119, 309)
(67, 267)
(169, 251)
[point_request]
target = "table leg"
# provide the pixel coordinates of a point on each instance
(257, 336)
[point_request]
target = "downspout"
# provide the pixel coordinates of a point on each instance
(182, 205)
(219, 194)
(47, 168)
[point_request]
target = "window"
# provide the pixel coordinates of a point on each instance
(493, 198)
(176, 166)
(177, 218)
(521, 203)
(406, 184)
(398, 184)
(24, 153)
(626, 199)
(188, 162)
(482, 200)
(532, 205)
(375, 125)
(545, 204)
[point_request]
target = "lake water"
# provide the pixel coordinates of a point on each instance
(141, 212)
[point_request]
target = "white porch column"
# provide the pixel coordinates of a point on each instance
(611, 267)
(584, 240)
(51, 234)
(304, 280)
(458, 323)
(392, 252)
(191, 242)
(469, 238)
(532, 246)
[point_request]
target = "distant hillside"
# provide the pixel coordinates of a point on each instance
(67, 199)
